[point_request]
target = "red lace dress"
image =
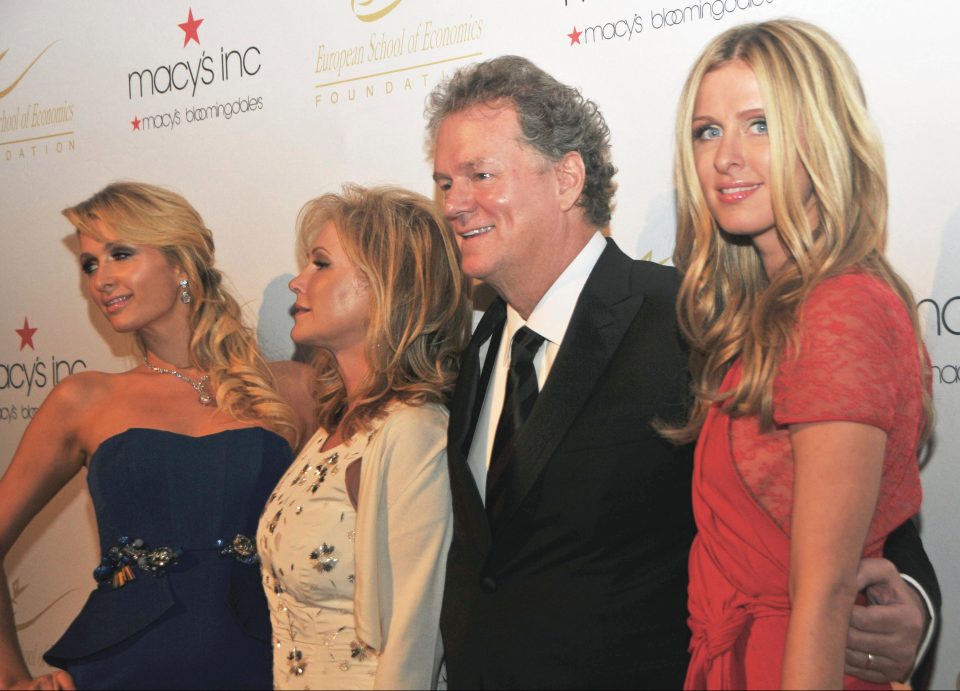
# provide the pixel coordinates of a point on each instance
(856, 361)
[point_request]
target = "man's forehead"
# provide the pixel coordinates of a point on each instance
(477, 136)
(497, 114)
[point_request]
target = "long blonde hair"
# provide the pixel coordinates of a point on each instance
(817, 117)
(220, 343)
(420, 301)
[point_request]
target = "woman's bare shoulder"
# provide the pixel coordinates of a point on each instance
(81, 389)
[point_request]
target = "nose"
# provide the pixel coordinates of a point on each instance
(458, 201)
(103, 280)
(296, 284)
(729, 153)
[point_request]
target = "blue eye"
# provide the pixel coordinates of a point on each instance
(707, 132)
(759, 126)
(88, 266)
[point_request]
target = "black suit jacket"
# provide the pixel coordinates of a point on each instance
(582, 580)
(904, 548)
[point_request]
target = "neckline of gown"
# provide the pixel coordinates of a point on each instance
(190, 438)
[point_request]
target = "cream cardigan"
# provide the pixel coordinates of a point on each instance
(404, 528)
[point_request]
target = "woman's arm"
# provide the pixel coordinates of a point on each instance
(414, 527)
(837, 471)
(49, 454)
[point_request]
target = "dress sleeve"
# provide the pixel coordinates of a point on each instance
(845, 363)
(404, 530)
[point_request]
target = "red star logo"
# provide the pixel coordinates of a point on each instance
(26, 335)
(190, 29)
(574, 36)
(136, 122)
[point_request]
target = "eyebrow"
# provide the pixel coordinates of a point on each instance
(108, 247)
(743, 114)
(751, 112)
(467, 166)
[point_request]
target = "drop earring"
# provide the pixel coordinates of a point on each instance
(185, 296)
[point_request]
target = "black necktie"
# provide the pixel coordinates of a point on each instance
(521, 394)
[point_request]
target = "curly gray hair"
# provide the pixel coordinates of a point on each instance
(555, 119)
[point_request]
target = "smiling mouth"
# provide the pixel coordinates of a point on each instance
(739, 190)
(476, 231)
(114, 304)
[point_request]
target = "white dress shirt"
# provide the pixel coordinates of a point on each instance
(550, 318)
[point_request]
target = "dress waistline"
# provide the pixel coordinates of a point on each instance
(122, 561)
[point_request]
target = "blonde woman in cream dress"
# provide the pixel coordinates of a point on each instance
(354, 538)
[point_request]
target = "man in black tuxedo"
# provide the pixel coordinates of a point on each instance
(572, 516)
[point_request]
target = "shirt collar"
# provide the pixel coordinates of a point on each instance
(551, 317)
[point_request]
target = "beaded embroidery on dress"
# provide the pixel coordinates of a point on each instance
(308, 574)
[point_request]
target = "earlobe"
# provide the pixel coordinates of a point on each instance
(178, 271)
(571, 177)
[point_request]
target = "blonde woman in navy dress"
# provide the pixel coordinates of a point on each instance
(181, 451)
(354, 539)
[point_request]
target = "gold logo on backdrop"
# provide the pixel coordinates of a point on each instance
(23, 74)
(393, 58)
(25, 127)
(380, 8)
(648, 257)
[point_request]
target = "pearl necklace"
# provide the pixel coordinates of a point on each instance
(199, 385)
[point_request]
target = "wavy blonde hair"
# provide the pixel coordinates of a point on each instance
(817, 117)
(420, 312)
(220, 343)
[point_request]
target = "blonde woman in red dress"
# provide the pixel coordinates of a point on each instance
(811, 378)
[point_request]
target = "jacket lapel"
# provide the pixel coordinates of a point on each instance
(604, 311)
(464, 410)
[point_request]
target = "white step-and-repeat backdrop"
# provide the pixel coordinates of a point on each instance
(249, 109)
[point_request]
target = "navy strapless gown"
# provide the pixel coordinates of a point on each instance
(203, 622)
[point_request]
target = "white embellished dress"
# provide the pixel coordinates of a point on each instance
(355, 594)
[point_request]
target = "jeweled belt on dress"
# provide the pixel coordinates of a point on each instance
(121, 562)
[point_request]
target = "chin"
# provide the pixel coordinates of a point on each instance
(301, 338)
(123, 327)
(476, 269)
(744, 229)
